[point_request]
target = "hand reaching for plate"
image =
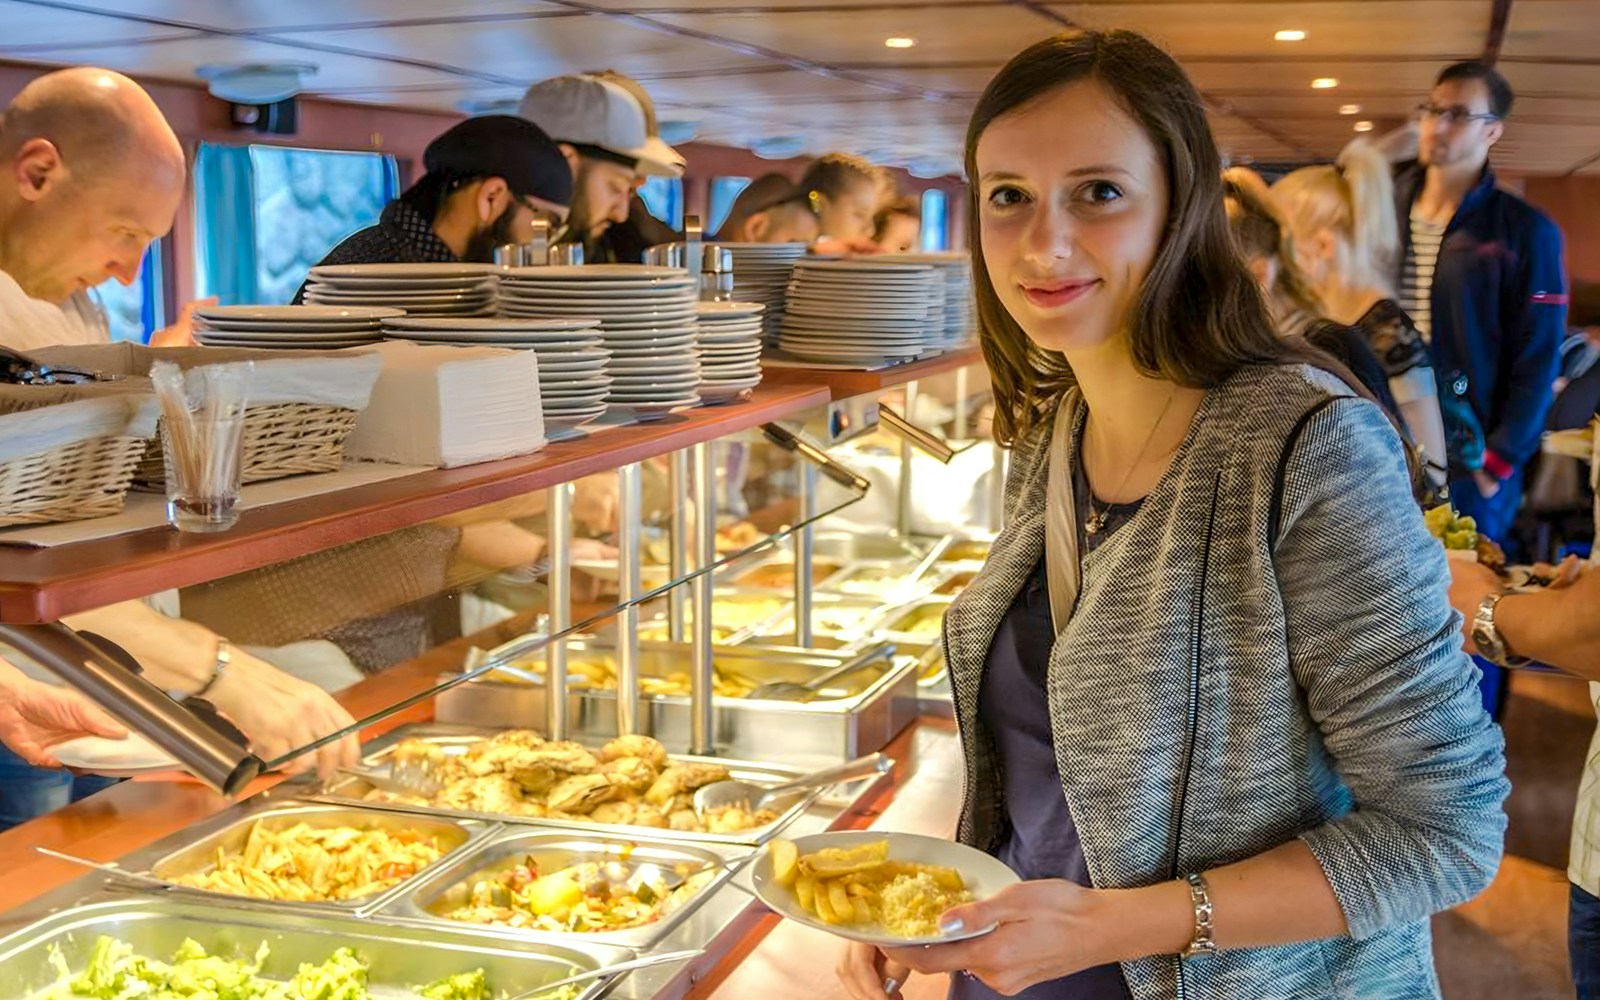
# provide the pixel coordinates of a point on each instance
(35, 716)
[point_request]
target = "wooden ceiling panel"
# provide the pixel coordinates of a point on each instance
(970, 34)
(1553, 29)
(1554, 79)
(1427, 29)
(28, 28)
(537, 49)
(1357, 80)
(269, 14)
(177, 59)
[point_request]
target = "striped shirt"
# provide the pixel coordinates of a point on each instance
(1416, 284)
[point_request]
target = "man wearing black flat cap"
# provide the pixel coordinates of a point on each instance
(488, 178)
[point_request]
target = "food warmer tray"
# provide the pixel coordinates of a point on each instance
(229, 829)
(906, 587)
(400, 957)
(351, 789)
(427, 899)
(864, 612)
(814, 734)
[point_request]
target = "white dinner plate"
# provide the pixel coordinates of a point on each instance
(984, 876)
(399, 301)
(293, 314)
(657, 285)
(114, 758)
(426, 271)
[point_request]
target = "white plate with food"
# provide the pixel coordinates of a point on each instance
(884, 889)
(119, 758)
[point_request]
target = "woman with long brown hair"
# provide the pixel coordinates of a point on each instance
(1213, 704)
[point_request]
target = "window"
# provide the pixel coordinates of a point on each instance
(935, 221)
(266, 214)
(724, 191)
(135, 311)
(663, 196)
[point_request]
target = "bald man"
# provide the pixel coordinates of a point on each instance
(90, 174)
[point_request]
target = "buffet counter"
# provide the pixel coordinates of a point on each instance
(854, 612)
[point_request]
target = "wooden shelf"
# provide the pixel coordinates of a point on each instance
(850, 384)
(42, 585)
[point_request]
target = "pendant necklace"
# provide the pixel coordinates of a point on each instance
(1097, 516)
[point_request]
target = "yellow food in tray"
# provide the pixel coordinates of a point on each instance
(628, 782)
(599, 670)
(304, 864)
(579, 899)
(926, 620)
(862, 885)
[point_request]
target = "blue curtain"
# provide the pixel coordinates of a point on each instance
(224, 202)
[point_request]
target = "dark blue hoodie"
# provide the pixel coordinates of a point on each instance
(1499, 312)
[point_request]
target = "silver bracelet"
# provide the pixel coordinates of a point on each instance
(220, 667)
(1204, 941)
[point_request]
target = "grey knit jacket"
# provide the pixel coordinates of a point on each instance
(1266, 651)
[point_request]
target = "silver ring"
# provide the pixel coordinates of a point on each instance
(890, 985)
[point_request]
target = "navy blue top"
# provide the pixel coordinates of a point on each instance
(1041, 840)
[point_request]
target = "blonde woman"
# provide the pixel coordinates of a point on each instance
(1342, 223)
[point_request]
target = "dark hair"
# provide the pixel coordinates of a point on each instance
(908, 206)
(833, 174)
(1500, 95)
(1200, 315)
(1258, 231)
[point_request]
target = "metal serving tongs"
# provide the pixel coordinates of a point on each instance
(109, 867)
(17, 368)
(610, 970)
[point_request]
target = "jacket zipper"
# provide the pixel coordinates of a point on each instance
(1193, 720)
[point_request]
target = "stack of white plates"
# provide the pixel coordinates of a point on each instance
(960, 308)
(419, 289)
(863, 312)
(573, 381)
(730, 349)
(647, 321)
(761, 273)
(316, 328)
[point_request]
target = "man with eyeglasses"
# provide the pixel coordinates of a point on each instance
(488, 179)
(1482, 275)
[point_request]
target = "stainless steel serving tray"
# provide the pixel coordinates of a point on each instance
(856, 580)
(747, 577)
(352, 790)
(229, 830)
(401, 958)
(429, 900)
(855, 618)
(887, 629)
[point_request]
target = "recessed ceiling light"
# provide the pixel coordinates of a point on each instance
(1363, 126)
(1349, 109)
(1324, 83)
(899, 42)
(1289, 35)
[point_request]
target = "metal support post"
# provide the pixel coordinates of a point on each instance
(997, 488)
(903, 507)
(630, 539)
(560, 611)
(803, 583)
(702, 678)
(961, 404)
(682, 544)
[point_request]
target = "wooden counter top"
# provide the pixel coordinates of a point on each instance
(850, 384)
(42, 585)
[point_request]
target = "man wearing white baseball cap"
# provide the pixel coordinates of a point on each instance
(605, 126)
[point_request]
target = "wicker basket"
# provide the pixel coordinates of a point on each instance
(280, 439)
(89, 441)
(283, 436)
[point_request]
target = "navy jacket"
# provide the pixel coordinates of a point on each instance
(1499, 311)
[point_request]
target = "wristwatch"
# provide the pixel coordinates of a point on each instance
(1491, 644)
